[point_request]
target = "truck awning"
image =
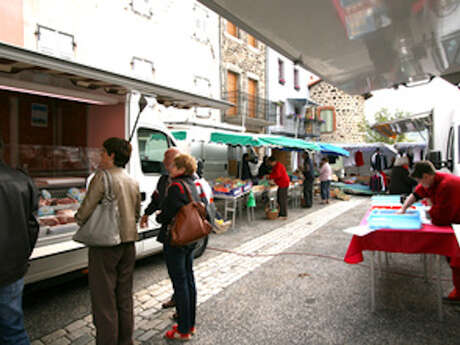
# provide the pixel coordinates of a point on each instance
(253, 139)
(330, 149)
(358, 46)
(413, 123)
(15, 59)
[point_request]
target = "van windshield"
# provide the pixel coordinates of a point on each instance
(152, 146)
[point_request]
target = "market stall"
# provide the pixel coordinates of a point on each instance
(383, 230)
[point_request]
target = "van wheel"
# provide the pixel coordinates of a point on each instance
(200, 247)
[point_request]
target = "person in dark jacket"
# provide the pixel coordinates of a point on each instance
(400, 182)
(309, 176)
(18, 235)
(265, 168)
(156, 201)
(245, 170)
(179, 260)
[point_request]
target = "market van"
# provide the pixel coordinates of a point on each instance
(54, 117)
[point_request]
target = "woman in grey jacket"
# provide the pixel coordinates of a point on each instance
(111, 268)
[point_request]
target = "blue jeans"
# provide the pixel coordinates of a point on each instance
(179, 261)
(325, 189)
(12, 331)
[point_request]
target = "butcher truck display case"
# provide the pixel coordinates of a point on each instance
(59, 200)
(60, 174)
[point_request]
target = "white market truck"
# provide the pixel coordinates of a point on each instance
(54, 117)
(440, 127)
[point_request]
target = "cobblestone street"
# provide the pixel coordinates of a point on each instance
(212, 276)
(283, 282)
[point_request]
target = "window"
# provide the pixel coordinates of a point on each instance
(252, 97)
(152, 146)
(142, 68)
(296, 79)
(232, 92)
(55, 43)
(142, 7)
(252, 41)
(281, 72)
(327, 114)
(281, 114)
(232, 29)
(201, 21)
(202, 87)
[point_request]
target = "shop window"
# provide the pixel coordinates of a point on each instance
(152, 146)
(252, 41)
(296, 79)
(281, 79)
(57, 43)
(232, 29)
(142, 7)
(327, 114)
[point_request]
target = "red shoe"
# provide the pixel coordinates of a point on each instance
(453, 297)
(192, 330)
(174, 334)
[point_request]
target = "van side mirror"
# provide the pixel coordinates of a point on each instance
(435, 158)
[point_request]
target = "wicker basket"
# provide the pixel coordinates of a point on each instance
(271, 214)
(221, 228)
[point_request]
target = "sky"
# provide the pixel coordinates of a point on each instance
(414, 100)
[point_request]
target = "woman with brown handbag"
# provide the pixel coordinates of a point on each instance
(179, 259)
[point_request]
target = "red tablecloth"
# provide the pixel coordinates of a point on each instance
(430, 239)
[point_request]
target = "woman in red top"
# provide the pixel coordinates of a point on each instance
(281, 178)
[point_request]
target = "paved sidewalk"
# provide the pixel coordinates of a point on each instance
(212, 277)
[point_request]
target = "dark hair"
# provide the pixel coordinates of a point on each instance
(272, 159)
(121, 148)
(423, 167)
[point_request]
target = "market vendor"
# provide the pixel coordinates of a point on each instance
(443, 189)
(281, 178)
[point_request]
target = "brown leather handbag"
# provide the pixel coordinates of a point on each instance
(190, 223)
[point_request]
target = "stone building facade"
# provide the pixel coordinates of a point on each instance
(349, 113)
(243, 59)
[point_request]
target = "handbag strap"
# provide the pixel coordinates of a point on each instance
(108, 190)
(189, 193)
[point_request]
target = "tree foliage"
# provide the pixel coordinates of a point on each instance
(383, 115)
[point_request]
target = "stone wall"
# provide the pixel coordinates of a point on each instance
(349, 113)
(241, 58)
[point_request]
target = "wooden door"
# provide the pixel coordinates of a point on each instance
(232, 88)
(252, 97)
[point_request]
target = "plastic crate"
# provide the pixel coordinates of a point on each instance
(232, 192)
(389, 219)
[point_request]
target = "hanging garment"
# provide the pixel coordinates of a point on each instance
(359, 160)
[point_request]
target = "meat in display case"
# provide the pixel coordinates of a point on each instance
(60, 198)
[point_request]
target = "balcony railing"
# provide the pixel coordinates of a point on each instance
(300, 127)
(250, 106)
